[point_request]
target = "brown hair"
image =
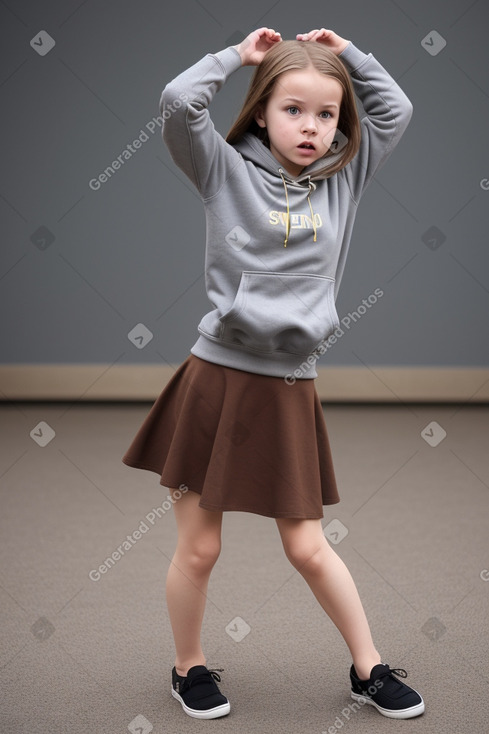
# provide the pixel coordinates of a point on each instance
(285, 56)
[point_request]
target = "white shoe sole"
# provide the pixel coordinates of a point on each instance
(390, 713)
(214, 713)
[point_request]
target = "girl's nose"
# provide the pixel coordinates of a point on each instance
(309, 124)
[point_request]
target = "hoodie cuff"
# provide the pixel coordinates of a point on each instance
(229, 59)
(352, 57)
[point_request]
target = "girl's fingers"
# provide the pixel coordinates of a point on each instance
(323, 33)
(266, 31)
(273, 35)
(315, 35)
(257, 43)
(309, 33)
(267, 35)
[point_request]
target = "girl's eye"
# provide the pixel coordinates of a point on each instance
(326, 113)
(293, 110)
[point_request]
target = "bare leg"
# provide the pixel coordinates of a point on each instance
(198, 548)
(331, 583)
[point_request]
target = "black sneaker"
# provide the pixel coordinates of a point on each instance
(389, 695)
(198, 693)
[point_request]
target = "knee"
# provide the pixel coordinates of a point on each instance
(307, 558)
(201, 556)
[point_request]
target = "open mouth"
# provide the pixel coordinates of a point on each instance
(306, 145)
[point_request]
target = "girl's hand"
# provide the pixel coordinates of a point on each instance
(329, 38)
(254, 47)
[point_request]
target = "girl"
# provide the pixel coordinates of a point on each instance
(240, 424)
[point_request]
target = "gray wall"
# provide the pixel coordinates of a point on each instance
(133, 251)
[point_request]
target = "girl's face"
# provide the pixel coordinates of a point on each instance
(301, 116)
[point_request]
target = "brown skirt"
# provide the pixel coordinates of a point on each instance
(243, 441)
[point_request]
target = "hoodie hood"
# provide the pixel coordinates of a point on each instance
(252, 149)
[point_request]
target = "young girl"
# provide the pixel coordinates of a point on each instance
(240, 424)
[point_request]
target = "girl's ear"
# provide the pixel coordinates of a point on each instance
(259, 119)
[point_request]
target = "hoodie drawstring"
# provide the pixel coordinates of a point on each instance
(312, 186)
(287, 224)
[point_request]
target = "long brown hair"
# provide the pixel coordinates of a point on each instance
(285, 56)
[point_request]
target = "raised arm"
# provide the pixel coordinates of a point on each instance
(188, 131)
(388, 109)
(388, 112)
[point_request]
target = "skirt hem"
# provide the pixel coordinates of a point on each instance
(230, 508)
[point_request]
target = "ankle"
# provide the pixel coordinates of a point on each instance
(182, 667)
(364, 666)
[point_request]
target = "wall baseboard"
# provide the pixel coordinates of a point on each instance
(334, 384)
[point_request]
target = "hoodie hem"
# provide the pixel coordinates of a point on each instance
(290, 367)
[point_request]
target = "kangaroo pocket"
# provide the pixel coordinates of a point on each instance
(289, 312)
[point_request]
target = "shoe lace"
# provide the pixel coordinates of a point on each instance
(204, 677)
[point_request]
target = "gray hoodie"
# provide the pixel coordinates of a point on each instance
(273, 305)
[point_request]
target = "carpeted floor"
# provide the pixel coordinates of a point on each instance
(90, 652)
